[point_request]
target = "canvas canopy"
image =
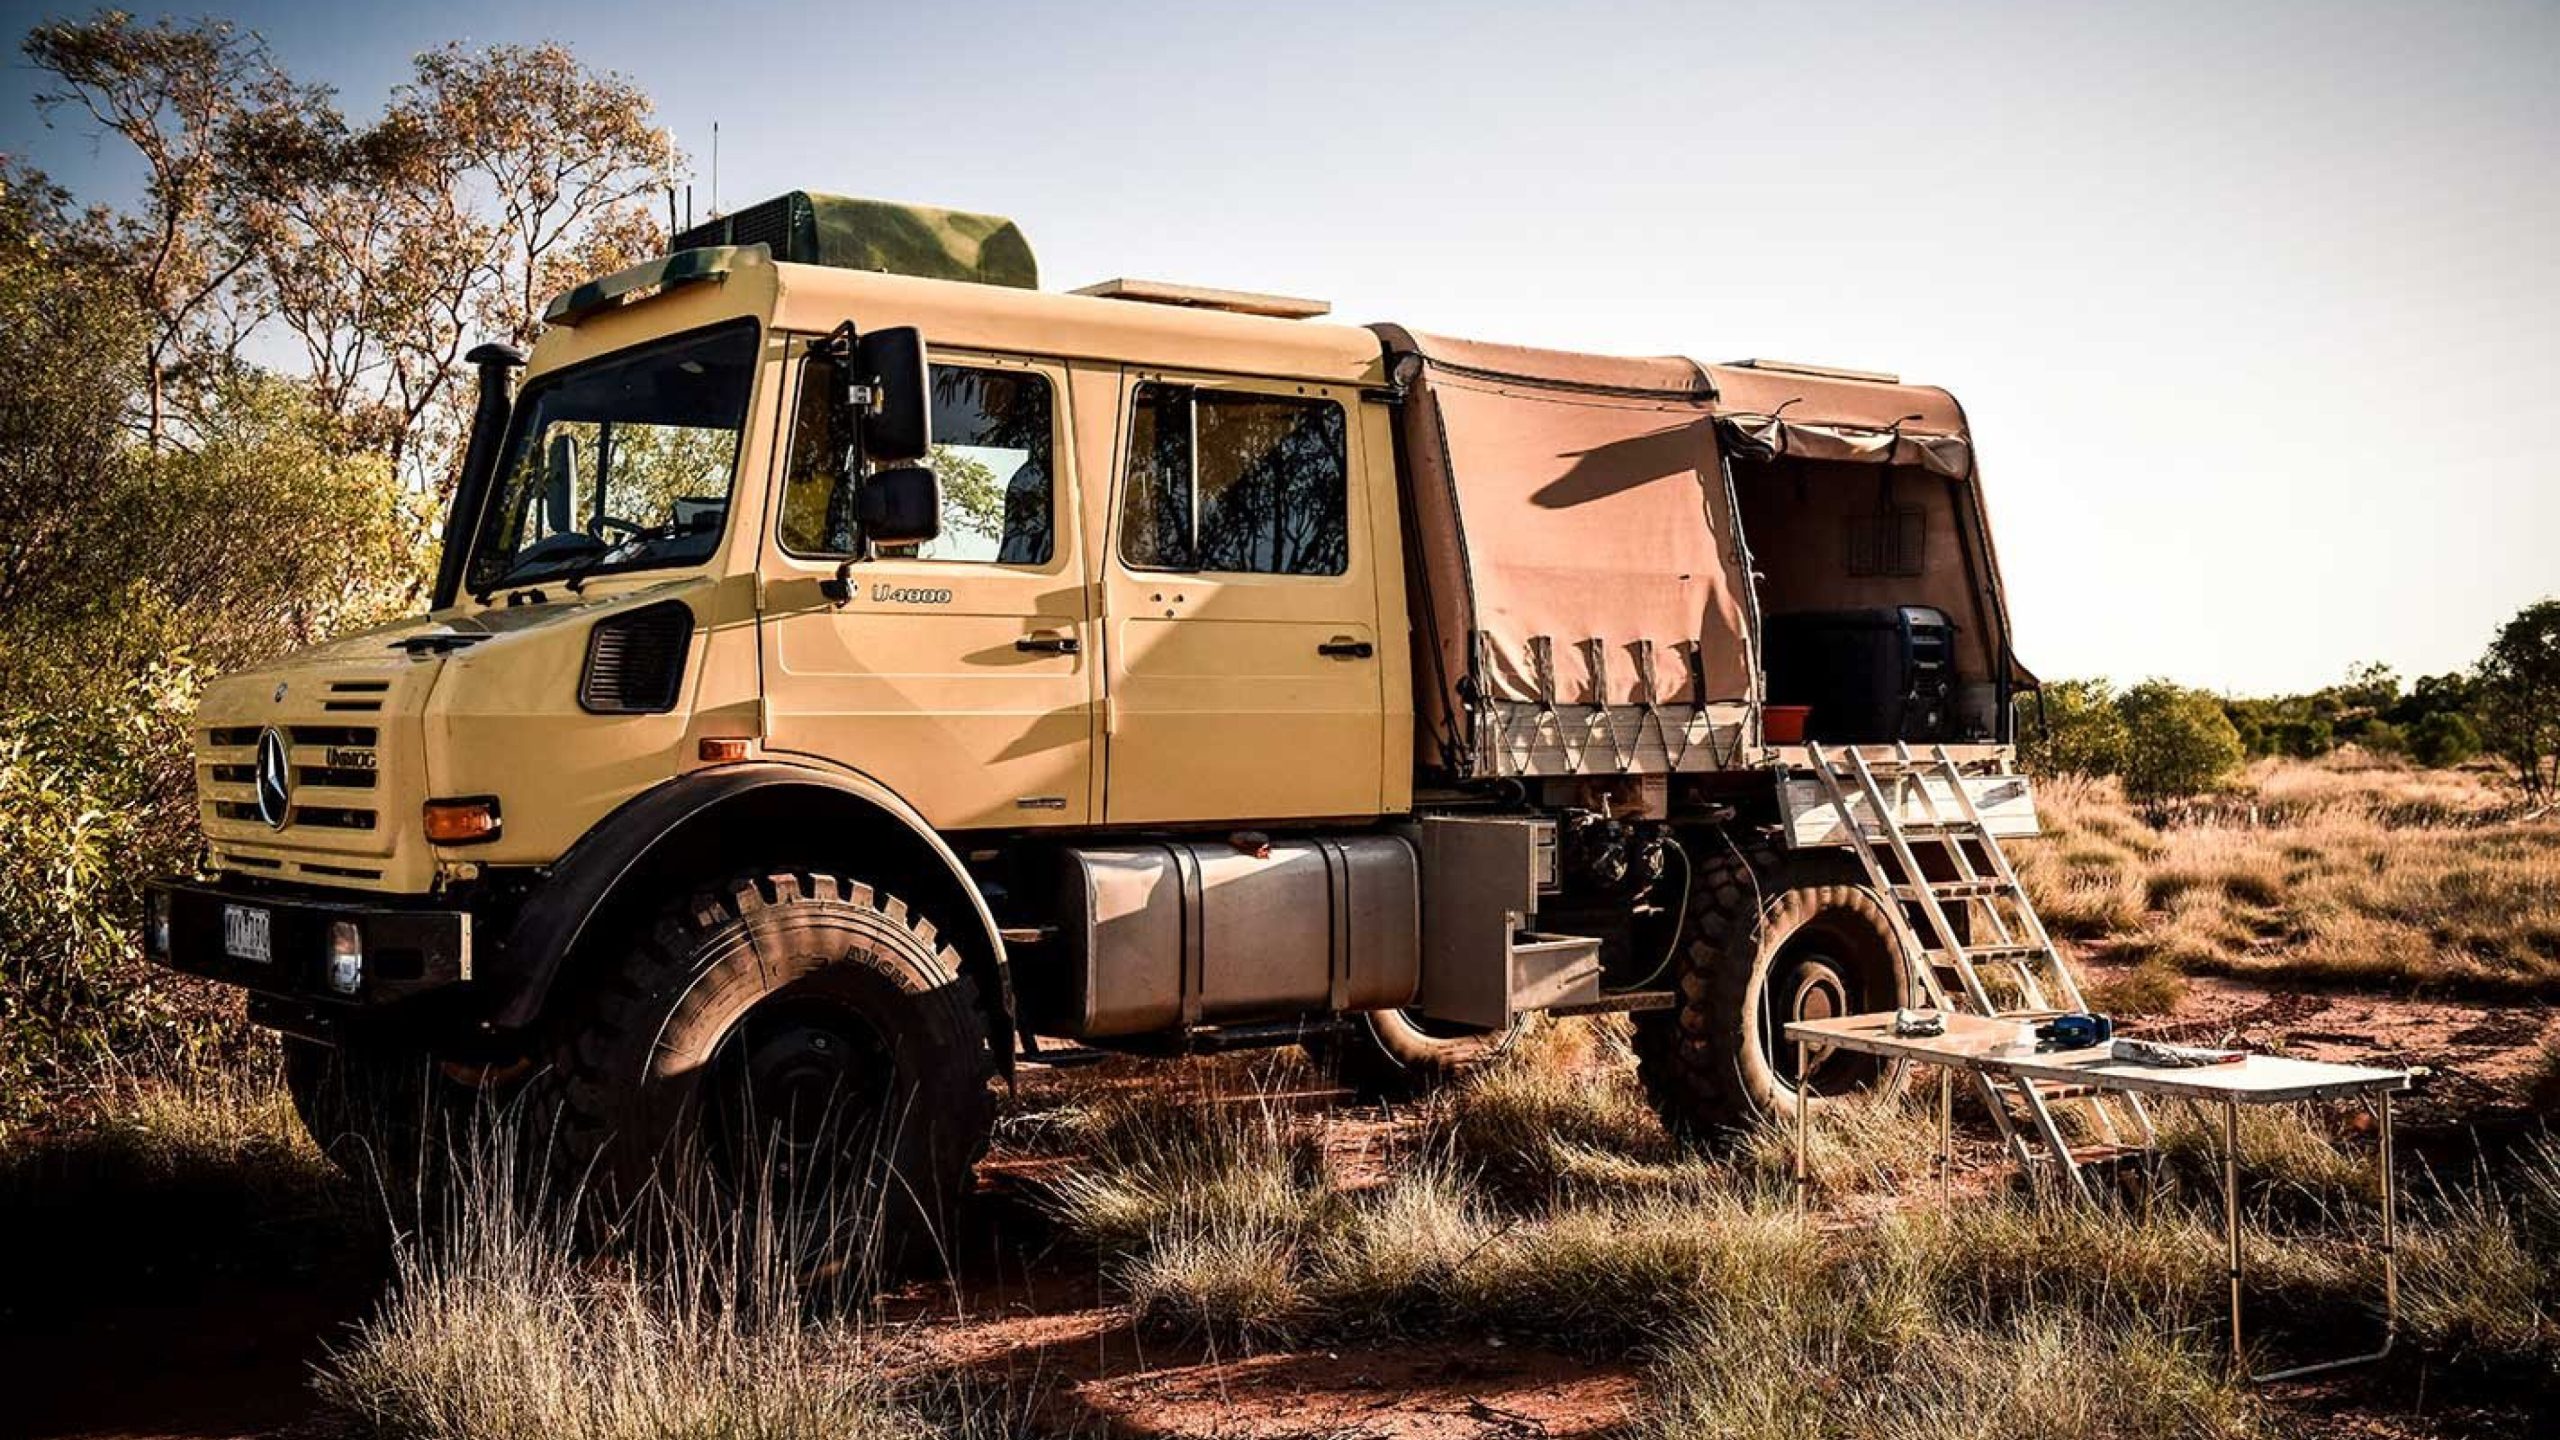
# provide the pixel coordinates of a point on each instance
(1574, 556)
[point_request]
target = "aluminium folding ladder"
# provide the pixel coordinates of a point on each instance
(2001, 931)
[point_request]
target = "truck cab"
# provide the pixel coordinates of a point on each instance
(854, 670)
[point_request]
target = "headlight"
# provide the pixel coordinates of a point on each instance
(155, 931)
(346, 957)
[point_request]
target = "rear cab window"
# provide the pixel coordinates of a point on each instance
(1235, 482)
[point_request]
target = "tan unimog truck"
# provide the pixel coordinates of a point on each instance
(853, 672)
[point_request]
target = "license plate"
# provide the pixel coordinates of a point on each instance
(248, 933)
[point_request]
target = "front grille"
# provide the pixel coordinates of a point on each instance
(333, 828)
(327, 817)
(332, 817)
(635, 661)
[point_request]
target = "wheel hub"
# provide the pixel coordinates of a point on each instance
(1815, 989)
(800, 1090)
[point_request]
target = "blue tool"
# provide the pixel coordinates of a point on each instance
(2074, 1032)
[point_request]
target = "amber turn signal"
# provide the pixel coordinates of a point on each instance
(462, 822)
(721, 750)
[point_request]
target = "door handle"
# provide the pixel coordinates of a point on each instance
(1343, 647)
(1048, 645)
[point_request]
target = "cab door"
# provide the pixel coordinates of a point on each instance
(1245, 655)
(958, 672)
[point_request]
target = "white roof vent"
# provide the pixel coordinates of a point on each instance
(1202, 297)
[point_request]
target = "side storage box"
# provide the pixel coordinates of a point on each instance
(1163, 936)
(1482, 962)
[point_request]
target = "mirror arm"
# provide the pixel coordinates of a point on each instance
(840, 589)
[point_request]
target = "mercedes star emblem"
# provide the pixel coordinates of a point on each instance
(275, 779)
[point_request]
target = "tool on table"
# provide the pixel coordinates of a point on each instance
(1916, 1023)
(2074, 1032)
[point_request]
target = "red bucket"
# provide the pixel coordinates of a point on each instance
(1783, 724)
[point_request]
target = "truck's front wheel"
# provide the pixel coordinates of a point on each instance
(802, 1032)
(1769, 939)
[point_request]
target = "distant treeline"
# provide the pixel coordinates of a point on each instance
(2166, 740)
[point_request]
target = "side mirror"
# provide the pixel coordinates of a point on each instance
(899, 425)
(902, 506)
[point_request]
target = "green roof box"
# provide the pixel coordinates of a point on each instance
(852, 234)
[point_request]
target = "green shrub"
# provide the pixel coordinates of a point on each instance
(2444, 738)
(2178, 742)
(131, 571)
(2076, 730)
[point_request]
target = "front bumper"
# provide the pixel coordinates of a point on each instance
(404, 952)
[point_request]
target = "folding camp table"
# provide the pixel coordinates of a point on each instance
(1991, 1048)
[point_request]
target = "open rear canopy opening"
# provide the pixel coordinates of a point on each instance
(1876, 594)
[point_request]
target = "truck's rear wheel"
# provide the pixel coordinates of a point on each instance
(1769, 939)
(1396, 1054)
(800, 1032)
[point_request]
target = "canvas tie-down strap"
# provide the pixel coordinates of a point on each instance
(1642, 651)
(1595, 655)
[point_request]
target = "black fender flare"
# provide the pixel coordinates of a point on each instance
(638, 838)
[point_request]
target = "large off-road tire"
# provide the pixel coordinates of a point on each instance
(1397, 1054)
(394, 1117)
(1769, 938)
(800, 1035)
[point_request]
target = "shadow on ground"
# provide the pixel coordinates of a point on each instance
(152, 1293)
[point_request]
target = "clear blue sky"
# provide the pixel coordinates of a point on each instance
(2256, 308)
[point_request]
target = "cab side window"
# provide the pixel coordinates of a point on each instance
(1224, 480)
(992, 440)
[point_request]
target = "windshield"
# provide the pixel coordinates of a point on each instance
(624, 463)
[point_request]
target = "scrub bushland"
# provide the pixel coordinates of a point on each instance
(2351, 871)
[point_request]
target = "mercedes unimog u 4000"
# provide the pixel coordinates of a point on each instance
(852, 671)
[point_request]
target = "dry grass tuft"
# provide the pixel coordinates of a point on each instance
(1806, 1370)
(2286, 1161)
(707, 1316)
(2153, 987)
(1562, 1108)
(1162, 1161)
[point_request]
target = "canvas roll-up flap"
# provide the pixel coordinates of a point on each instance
(1775, 435)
